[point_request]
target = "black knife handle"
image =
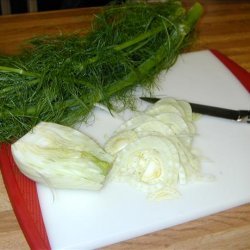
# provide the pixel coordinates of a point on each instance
(215, 111)
(237, 115)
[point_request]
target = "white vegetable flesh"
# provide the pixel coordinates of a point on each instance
(120, 141)
(135, 121)
(61, 157)
(147, 160)
(157, 154)
(153, 151)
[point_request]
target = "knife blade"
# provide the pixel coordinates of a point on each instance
(237, 115)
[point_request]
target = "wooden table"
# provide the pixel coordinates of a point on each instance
(225, 26)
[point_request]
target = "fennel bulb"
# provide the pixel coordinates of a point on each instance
(61, 157)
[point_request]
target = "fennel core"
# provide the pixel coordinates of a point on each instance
(61, 78)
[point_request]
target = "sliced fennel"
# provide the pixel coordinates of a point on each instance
(120, 141)
(163, 108)
(154, 126)
(147, 161)
(181, 127)
(153, 150)
(172, 105)
(175, 121)
(187, 110)
(135, 121)
(61, 157)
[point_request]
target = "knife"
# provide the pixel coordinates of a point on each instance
(237, 115)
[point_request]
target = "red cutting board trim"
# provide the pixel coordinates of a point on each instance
(241, 74)
(23, 192)
(24, 200)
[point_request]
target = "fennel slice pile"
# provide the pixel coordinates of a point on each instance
(153, 151)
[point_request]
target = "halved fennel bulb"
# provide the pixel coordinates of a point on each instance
(153, 150)
(61, 157)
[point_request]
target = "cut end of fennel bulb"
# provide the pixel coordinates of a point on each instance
(153, 150)
(61, 157)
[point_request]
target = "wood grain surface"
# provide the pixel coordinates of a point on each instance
(225, 26)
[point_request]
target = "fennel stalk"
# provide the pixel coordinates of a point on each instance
(61, 78)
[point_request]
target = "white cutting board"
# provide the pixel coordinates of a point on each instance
(88, 220)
